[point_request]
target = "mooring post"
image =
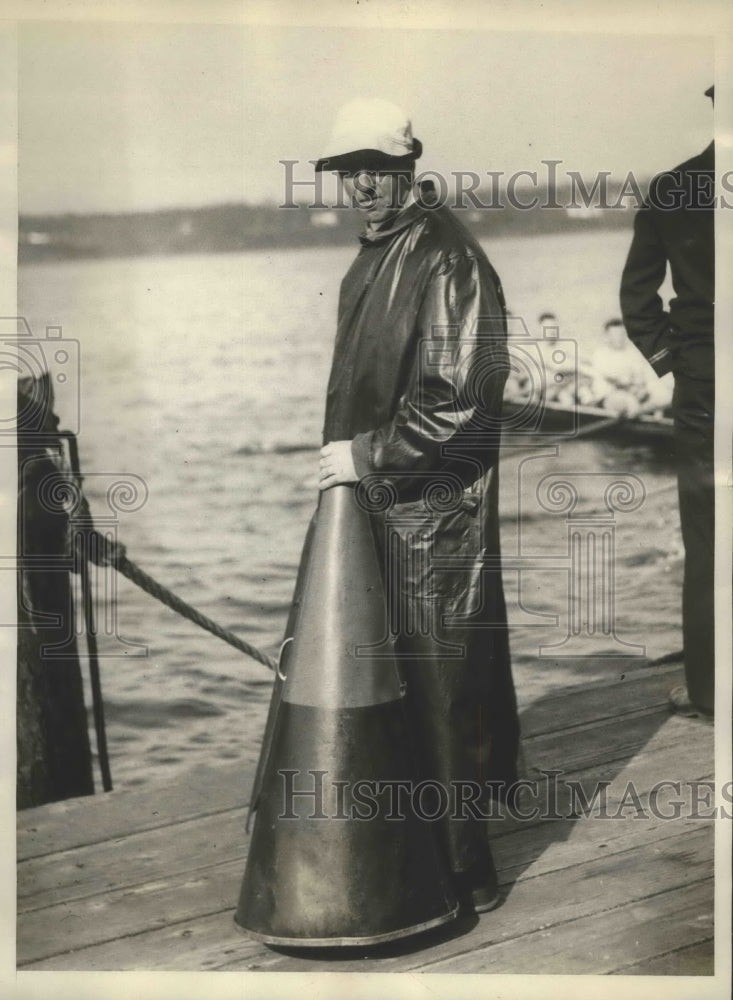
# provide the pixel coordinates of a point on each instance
(54, 756)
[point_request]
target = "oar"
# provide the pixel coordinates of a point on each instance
(592, 428)
(291, 449)
(598, 425)
(676, 657)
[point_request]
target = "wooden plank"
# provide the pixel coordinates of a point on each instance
(63, 825)
(120, 913)
(626, 689)
(535, 904)
(603, 943)
(554, 846)
(663, 757)
(613, 740)
(606, 747)
(195, 945)
(692, 960)
(131, 860)
(516, 842)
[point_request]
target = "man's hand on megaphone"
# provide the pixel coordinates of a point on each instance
(336, 465)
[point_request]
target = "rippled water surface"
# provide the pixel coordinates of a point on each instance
(190, 366)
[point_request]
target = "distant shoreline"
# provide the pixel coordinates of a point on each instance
(237, 227)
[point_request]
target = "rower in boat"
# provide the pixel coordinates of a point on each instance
(573, 386)
(614, 378)
(621, 380)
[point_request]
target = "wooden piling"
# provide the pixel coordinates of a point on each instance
(54, 757)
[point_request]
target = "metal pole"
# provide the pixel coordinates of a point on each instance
(94, 676)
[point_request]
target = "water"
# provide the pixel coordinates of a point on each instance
(188, 365)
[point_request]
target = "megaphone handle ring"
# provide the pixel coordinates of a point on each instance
(280, 674)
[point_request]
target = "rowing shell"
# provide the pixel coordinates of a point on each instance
(519, 417)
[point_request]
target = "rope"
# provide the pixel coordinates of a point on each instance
(116, 557)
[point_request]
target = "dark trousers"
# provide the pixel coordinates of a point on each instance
(693, 406)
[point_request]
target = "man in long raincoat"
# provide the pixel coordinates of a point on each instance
(413, 414)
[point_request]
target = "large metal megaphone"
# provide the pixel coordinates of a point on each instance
(335, 857)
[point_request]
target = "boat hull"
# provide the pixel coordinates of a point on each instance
(520, 418)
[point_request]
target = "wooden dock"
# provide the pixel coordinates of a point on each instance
(148, 879)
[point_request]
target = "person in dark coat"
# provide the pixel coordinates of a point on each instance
(675, 226)
(413, 415)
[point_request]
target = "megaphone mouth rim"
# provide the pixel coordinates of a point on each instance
(347, 942)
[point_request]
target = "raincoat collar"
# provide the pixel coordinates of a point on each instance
(409, 213)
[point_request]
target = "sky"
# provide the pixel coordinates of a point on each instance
(119, 117)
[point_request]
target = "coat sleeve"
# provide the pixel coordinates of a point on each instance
(646, 321)
(456, 382)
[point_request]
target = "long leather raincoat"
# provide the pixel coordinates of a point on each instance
(417, 380)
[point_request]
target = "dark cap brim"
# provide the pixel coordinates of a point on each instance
(370, 159)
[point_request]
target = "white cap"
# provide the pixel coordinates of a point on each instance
(376, 128)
